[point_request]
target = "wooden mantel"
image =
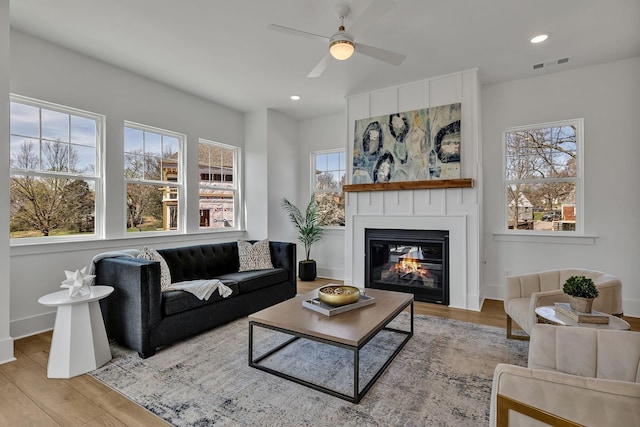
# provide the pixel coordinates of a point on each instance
(410, 185)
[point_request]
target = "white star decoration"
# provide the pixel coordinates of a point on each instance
(78, 282)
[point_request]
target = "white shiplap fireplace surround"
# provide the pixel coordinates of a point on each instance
(454, 209)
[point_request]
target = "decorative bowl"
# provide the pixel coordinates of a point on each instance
(338, 295)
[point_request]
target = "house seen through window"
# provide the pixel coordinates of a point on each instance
(543, 177)
(218, 185)
(328, 168)
(55, 181)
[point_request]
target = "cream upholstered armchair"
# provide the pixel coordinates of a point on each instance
(525, 292)
(575, 377)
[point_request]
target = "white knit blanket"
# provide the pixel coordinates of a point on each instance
(203, 289)
(131, 253)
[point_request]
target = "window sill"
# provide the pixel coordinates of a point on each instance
(556, 238)
(101, 245)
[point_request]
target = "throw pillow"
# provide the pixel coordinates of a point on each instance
(153, 255)
(254, 257)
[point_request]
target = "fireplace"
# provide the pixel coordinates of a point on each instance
(415, 261)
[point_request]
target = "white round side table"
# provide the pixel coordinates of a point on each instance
(79, 342)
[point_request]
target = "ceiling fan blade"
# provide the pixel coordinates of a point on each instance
(381, 54)
(375, 10)
(295, 32)
(318, 69)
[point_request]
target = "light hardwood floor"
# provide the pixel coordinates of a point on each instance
(29, 398)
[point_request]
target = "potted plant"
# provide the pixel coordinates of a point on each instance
(582, 291)
(309, 232)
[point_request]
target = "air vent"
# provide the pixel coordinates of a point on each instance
(550, 63)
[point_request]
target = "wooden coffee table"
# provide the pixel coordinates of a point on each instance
(350, 330)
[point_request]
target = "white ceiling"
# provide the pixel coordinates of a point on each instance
(223, 51)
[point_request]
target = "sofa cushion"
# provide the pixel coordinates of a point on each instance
(251, 280)
(255, 256)
(153, 255)
(178, 301)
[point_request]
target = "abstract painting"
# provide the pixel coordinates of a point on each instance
(418, 145)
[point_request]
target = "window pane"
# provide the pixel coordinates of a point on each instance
(84, 159)
(55, 125)
(153, 144)
(152, 166)
(83, 131)
(542, 206)
(25, 120)
(330, 208)
(51, 206)
(133, 140)
(55, 156)
(24, 152)
(151, 207)
(333, 162)
(169, 146)
(216, 208)
(133, 166)
(541, 153)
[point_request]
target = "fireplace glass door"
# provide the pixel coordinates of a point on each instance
(414, 261)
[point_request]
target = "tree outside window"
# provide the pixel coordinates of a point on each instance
(54, 169)
(543, 176)
(328, 170)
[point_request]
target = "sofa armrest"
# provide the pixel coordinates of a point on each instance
(283, 255)
(601, 402)
(134, 308)
(539, 299)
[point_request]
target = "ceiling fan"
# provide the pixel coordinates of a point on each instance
(342, 44)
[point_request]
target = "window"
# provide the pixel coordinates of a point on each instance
(328, 169)
(543, 176)
(219, 197)
(152, 170)
(55, 178)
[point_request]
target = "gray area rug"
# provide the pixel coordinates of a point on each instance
(441, 378)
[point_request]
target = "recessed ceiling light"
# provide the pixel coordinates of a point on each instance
(295, 97)
(539, 38)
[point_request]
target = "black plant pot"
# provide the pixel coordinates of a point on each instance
(307, 270)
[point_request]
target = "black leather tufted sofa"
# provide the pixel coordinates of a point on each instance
(138, 315)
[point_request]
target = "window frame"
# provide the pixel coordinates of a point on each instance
(179, 183)
(578, 180)
(312, 186)
(97, 178)
(236, 188)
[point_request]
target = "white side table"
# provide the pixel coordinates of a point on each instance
(79, 342)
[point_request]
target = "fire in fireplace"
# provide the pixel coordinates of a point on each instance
(413, 261)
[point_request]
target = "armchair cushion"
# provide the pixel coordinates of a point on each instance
(589, 376)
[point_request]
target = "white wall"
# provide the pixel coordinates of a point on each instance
(283, 148)
(318, 134)
(45, 71)
(256, 182)
(6, 342)
(607, 96)
(431, 206)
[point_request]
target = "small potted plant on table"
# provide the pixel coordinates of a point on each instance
(582, 291)
(309, 232)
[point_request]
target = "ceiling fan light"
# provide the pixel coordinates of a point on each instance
(341, 49)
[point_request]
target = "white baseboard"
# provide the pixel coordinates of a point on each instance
(330, 273)
(32, 325)
(6, 350)
(493, 292)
